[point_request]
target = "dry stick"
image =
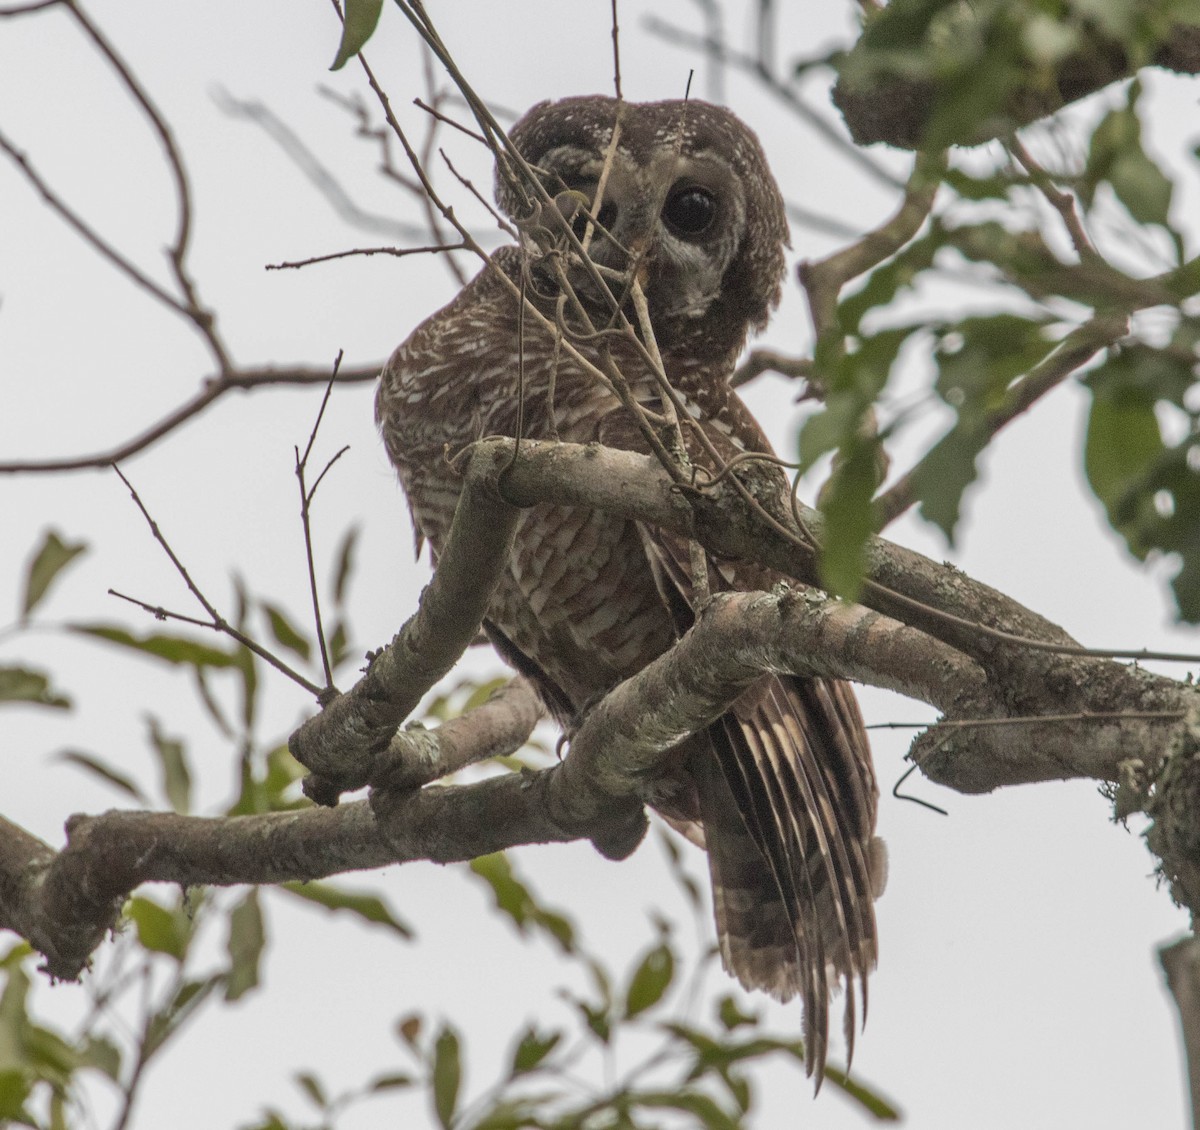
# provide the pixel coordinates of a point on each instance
(89, 234)
(420, 20)
(218, 622)
(1062, 202)
(760, 361)
(1181, 964)
(202, 318)
(431, 134)
(450, 121)
(396, 252)
(448, 213)
(214, 388)
(27, 9)
(306, 499)
(616, 47)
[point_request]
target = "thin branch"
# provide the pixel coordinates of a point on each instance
(306, 499)
(213, 389)
(1073, 352)
(1062, 202)
(397, 252)
(616, 51)
(27, 9)
(89, 234)
(201, 317)
(314, 170)
(501, 726)
(823, 279)
(472, 134)
(217, 622)
(760, 361)
(339, 745)
(1181, 964)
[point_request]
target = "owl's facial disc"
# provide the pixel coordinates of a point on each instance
(677, 220)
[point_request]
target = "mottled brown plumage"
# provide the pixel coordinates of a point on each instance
(782, 785)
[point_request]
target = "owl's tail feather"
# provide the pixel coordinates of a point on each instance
(794, 863)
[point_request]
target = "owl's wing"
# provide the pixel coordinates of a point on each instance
(788, 800)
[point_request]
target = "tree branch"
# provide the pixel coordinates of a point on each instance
(1181, 964)
(881, 105)
(340, 745)
(65, 903)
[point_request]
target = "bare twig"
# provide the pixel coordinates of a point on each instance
(200, 316)
(472, 134)
(760, 361)
(27, 9)
(1062, 202)
(616, 50)
(216, 621)
(397, 252)
(213, 389)
(306, 500)
(339, 745)
(1181, 964)
(823, 279)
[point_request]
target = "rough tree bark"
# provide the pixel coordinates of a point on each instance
(1013, 712)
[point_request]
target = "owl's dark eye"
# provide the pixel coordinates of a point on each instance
(690, 211)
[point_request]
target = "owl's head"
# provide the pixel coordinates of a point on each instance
(689, 202)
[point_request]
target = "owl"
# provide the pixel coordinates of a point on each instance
(683, 210)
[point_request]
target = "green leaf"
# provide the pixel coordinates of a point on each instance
(311, 1086)
(873, 1103)
(731, 1016)
(285, 632)
(159, 930)
(944, 474)
(370, 908)
(978, 360)
(650, 980)
(1123, 443)
(516, 900)
(849, 518)
(885, 282)
(168, 1020)
(14, 1090)
(1116, 156)
(14, 1018)
(447, 1076)
(344, 569)
(52, 557)
(361, 19)
(393, 1082)
(101, 769)
(532, 1050)
(245, 944)
(408, 1028)
(173, 766)
(272, 1120)
(708, 1113)
(177, 650)
(103, 1054)
(19, 684)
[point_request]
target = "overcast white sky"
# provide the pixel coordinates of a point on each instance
(1018, 985)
